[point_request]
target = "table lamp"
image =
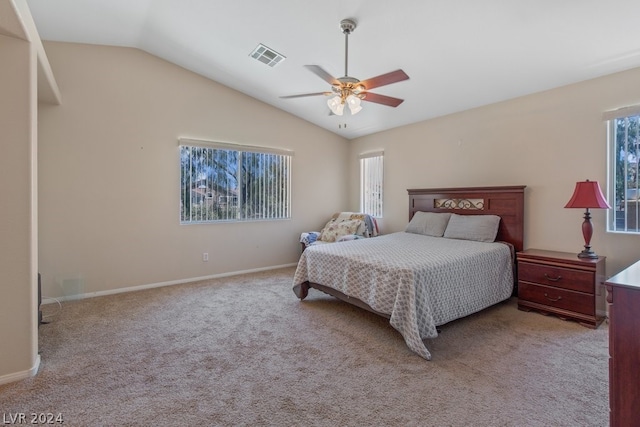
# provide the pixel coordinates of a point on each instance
(587, 195)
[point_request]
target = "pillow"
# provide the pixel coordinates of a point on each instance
(428, 223)
(336, 229)
(481, 228)
(343, 216)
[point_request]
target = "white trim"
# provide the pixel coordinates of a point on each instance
(633, 110)
(17, 376)
(368, 154)
(192, 142)
(162, 284)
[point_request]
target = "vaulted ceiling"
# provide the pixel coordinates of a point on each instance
(459, 54)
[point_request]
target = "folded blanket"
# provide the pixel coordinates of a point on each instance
(368, 228)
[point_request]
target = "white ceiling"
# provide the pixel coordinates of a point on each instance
(459, 54)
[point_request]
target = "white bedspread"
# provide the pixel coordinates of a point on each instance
(420, 281)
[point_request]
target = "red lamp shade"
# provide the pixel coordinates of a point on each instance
(587, 195)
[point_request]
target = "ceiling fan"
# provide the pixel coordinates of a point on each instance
(349, 90)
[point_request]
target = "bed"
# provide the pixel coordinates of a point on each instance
(429, 274)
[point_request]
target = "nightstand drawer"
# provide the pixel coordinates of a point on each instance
(555, 297)
(582, 281)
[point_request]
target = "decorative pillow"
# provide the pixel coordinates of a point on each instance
(481, 228)
(428, 223)
(336, 229)
(343, 216)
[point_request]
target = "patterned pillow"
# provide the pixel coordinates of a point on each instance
(428, 223)
(481, 228)
(336, 229)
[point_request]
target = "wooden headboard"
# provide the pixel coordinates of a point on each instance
(506, 202)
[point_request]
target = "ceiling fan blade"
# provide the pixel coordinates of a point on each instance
(385, 79)
(320, 72)
(382, 99)
(302, 95)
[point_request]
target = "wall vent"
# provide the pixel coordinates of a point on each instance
(267, 55)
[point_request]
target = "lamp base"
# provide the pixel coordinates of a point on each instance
(588, 254)
(587, 232)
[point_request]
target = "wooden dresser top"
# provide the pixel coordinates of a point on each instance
(570, 258)
(629, 277)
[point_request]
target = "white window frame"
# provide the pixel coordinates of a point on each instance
(624, 198)
(268, 199)
(372, 183)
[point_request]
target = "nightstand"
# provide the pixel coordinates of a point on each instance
(562, 284)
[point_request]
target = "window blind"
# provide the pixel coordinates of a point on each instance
(231, 182)
(371, 183)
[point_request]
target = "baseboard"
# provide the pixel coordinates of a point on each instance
(48, 300)
(17, 376)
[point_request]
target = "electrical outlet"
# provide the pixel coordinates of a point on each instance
(205, 256)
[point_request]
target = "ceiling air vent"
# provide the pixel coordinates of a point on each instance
(267, 55)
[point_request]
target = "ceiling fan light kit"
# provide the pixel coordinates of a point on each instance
(349, 90)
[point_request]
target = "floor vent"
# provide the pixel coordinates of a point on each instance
(267, 55)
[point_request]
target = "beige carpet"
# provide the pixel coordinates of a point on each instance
(244, 351)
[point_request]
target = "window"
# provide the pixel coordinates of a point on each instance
(229, 182)
(371, 183)
(624, 178)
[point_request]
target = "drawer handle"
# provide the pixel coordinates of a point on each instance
(552, 299)
(552, 279)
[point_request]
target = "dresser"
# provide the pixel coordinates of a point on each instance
(562, 284)
(623, 296)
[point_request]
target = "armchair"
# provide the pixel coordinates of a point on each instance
(341, 227)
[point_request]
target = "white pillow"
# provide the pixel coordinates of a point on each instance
(428, 223)
(481, 228)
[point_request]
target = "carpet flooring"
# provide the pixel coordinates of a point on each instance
(244, 350)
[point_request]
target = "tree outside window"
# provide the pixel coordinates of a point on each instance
(222, 184)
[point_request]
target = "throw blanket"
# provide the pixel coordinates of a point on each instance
(420, 281)
(371, 225)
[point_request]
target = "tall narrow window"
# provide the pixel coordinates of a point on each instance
(371, 183)
(229, 182)
(624, 177)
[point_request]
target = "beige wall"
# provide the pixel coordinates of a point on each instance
(109, 174)
(546, 141)
(18, 199)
